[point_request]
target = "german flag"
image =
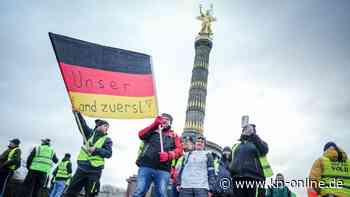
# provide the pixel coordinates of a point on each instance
(106, 82)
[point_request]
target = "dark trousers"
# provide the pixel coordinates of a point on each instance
(223, 195)
(33, 183)
(248, 187)
(4, 178)
(193, 192)
(81, 179)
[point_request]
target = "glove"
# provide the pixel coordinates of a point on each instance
(312, 194)
(158, 121)
(163, 156)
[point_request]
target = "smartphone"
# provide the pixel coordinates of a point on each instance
(244, 121)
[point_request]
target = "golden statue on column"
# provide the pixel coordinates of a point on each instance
(207, 18)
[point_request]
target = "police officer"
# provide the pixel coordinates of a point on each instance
(10, 160)
(91, 159)
(39, 165)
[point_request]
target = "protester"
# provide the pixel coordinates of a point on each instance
(249, 164)
(187, 145)
(155, 165)
(39, 165)
(10, 160)
(333, 166)
(279, 188)
(62, 175)
(91, 158)
(197, 173)
(223, 186)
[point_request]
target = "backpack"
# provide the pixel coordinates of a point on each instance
(224, 184)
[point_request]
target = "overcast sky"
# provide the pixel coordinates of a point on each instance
(284, 63)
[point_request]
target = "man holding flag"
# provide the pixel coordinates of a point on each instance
(106, 82)
(162, 145)
(91, 158)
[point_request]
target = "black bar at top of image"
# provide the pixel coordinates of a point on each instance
(81, 53)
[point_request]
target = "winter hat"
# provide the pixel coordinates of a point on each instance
(226, 149)
(328, 145)
(67, 155)
(45, 141)
(188, 138)
(168, 116)
(100, 122)
(201, 137)
(15, 141)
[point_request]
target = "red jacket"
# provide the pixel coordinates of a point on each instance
(149, 157)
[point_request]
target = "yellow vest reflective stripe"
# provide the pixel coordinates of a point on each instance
(42, 160)
(333, 172)
(173, 163)
(141, 147)
(266, 167)
(95, 160)
(10, 156)
(216, 165)
(179, 162)
(267, 170)
(62, 171)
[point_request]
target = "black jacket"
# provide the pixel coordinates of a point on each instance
(149, 157)
(5, 164)
(245, 162)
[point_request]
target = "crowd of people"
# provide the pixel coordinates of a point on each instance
(91, 159)
(164, 159)
(241, 170)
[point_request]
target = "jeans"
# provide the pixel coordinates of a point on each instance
(145, 176)
(174, 191)
(58, 189)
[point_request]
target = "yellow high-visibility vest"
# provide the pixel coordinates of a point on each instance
(333, 172)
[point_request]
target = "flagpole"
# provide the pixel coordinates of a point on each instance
(160, 128)
(155, 87)
(80, 128)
